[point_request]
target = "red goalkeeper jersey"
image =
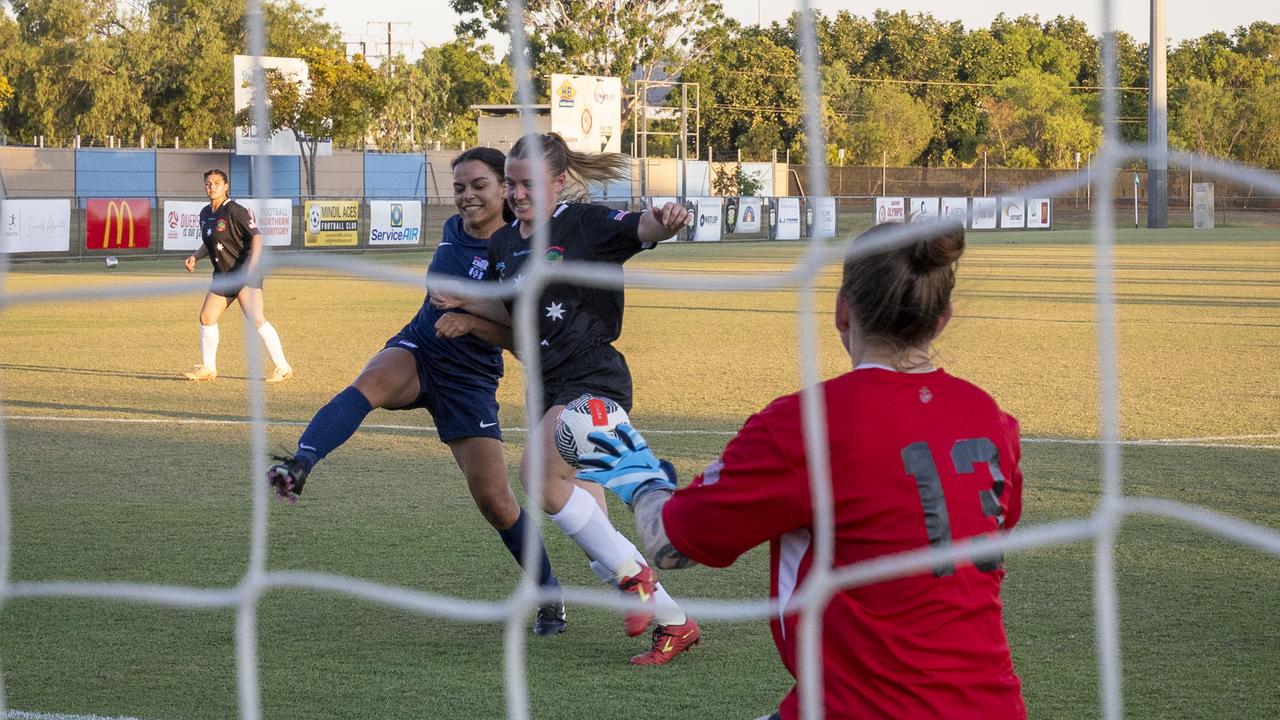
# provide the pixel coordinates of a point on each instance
(916, 460)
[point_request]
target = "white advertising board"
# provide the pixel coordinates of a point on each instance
(890, 210)
(923, 209)
(708, 217)
(182, 225)
(788, 219)
(824, 217)
(956, 208)
(274, 217)
(251, 141)
(1013, 212)
(749, 211)
(985, 210)
(1202, 206)
(395, 222)
(587, 112)
(1039, 213)
(35, 226)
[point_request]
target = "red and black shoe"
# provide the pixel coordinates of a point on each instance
(642, 584)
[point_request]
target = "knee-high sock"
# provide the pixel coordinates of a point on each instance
(271, 339)
(332, 425)
(585, 523)
(513, 538)
(209, 346)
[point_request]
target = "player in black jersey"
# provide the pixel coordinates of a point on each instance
(233, 244)
(577, 326)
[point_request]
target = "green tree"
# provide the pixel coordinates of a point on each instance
(340, 101)
(885, 123)
(1035, 115)
(631, 40)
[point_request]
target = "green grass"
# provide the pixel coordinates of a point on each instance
(167, 501)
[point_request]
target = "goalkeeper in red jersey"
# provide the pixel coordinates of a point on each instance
(919, 458)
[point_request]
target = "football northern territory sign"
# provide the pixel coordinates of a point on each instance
(332, 223)
(117, 224)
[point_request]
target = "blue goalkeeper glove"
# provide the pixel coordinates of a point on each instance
(625, 465)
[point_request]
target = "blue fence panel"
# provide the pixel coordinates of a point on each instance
(116, 173)
(394, 176)
(284, 172)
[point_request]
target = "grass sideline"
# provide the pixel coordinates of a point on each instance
(96, 495)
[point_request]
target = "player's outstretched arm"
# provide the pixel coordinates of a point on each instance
(454, 324)
(662, 223)
(627, 467)
(487, 308)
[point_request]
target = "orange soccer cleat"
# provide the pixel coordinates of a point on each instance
(669, 641)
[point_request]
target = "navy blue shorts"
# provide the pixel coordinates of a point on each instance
(233, 290)
(461, 407)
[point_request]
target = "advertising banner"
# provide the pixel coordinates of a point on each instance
(923, 209)
(587, 112)
(117, 224)
(708, 213)
(332, 223)
(395, 222)
(985, 210)
(274, 217)
(748, 215)
(890, 210)
(1038, 213)
(956, 208)
(784, 219)
(181, 225)
(1013, 212)
(251, 141)
(35, 226)
(1202, 206)
(823, 222)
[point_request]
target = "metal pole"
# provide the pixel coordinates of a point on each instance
(1158, 124)
(1088, 188)
(884, 172)
(984, 174)
(1135, 201)
(684, 141)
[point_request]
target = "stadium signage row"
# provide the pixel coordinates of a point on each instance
(976, 213)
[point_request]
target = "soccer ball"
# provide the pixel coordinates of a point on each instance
(112, 261)
(582, 417)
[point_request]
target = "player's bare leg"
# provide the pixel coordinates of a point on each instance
(390, 379)
(251, 304)
(210, 310)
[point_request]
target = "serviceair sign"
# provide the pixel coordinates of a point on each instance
(395, 222)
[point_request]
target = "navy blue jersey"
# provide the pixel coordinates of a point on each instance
(462, 256)
(573, 321)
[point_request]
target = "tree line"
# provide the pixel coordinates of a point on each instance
(899, 88)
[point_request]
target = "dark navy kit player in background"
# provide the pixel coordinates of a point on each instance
(577, 327)
(230, 239)
(449, 363)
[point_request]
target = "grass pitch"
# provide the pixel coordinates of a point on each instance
(120, 471)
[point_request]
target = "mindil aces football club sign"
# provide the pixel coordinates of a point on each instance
(117, 224)
(332, 223)
(587, 112)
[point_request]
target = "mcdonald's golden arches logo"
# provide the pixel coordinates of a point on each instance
(117, 223)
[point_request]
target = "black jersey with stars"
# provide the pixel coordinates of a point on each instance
(228, 234)
(574, 321)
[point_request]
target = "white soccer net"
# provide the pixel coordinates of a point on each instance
(1100, 527)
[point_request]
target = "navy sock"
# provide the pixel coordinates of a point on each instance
(513, 538)
(332, 425)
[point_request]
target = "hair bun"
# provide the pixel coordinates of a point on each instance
(939, 251)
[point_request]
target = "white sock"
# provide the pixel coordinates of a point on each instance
(209, 346)
(271, 339)
(665, 609)
(585, 523)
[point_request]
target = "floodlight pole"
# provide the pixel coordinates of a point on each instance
(1157, 124)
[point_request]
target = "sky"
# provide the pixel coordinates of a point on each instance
(430, 22)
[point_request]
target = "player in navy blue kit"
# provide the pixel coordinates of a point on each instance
(231, 241)
(577, 328)
(448, 362)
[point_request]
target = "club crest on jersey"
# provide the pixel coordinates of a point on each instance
(925, 395)
(222, 225)
(478, 267)
(555, 254)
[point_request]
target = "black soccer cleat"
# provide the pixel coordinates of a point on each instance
(287, 477)
(550, 619)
